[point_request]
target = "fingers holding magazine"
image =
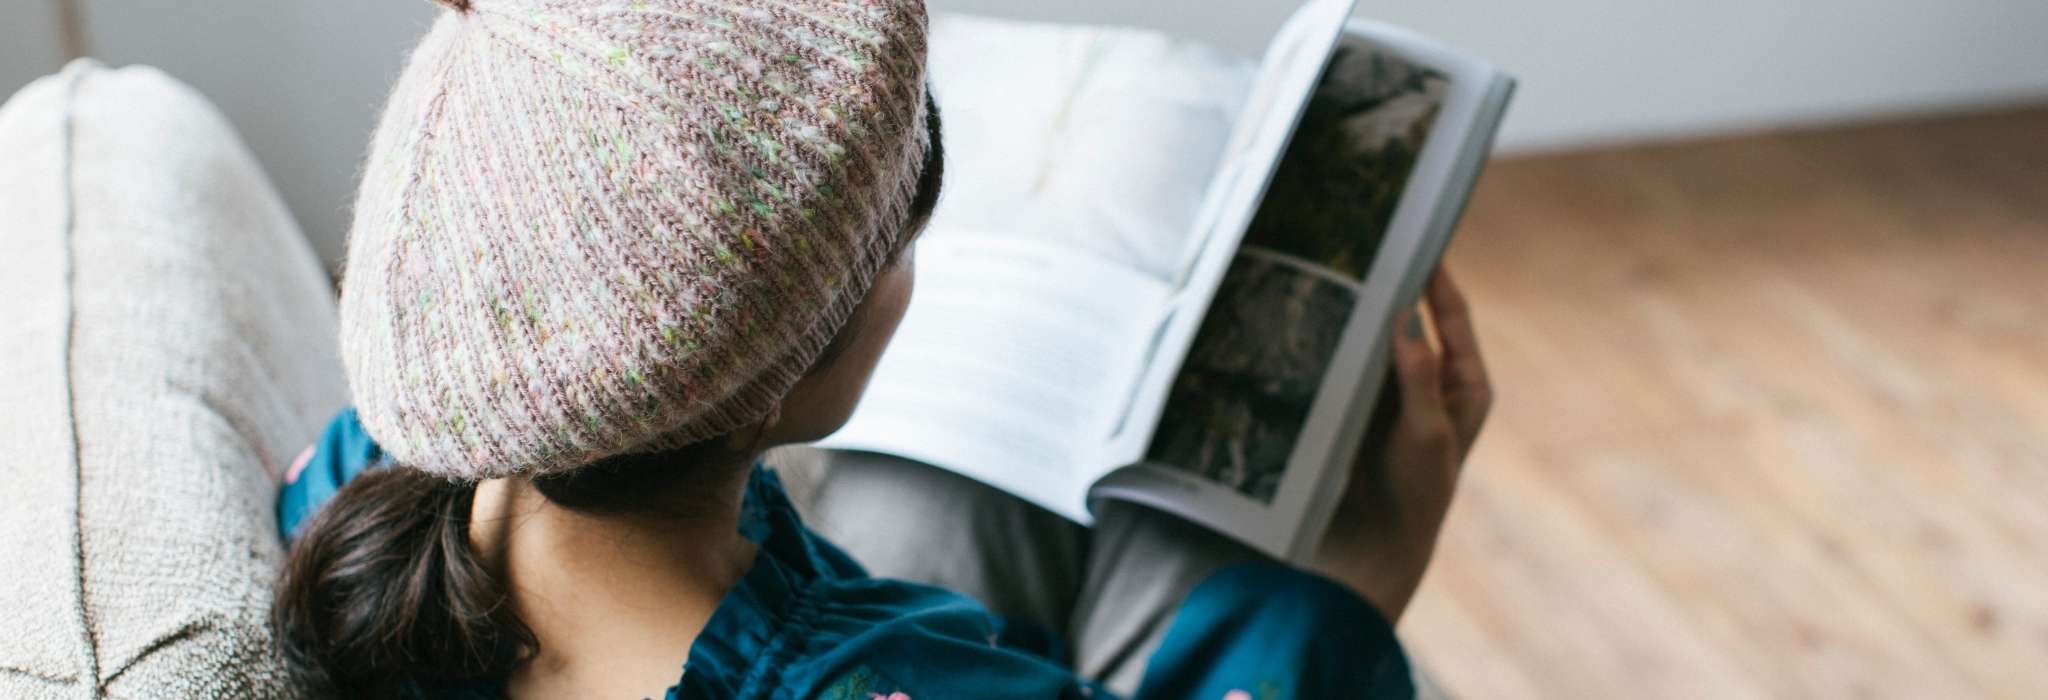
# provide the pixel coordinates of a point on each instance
(1384, 534)
(1467, 393)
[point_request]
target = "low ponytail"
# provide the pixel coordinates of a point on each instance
(382, 596)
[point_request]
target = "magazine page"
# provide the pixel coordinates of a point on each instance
(1009, 364)
(1013, 379)
(1287, 75)
(1262, 417)
(1077, 157)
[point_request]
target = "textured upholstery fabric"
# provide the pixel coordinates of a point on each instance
(166, 339)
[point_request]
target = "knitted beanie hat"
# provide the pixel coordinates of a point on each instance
(594, 227)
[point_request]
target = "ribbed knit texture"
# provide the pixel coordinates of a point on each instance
(590, 228)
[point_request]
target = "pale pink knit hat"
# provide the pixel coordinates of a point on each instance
(588, 228)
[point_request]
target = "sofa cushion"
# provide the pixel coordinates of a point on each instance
(169, 339)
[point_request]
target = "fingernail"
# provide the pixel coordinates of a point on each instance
(1412, 328)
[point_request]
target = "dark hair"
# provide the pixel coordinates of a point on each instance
(381, 594)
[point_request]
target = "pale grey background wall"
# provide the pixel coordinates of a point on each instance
(1600, 71)
(302, 78)
(28, 42)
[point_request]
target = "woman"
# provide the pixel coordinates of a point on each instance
(607, 254)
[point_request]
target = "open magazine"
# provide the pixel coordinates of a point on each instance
(1234, 391)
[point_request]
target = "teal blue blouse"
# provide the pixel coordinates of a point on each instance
(808, 622)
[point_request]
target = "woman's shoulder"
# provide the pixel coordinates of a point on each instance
(869, 638)
(806, 621)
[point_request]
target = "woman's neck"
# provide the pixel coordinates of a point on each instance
(614, 600)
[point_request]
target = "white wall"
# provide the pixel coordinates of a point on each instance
(1624, 70)
(302, 79)
(1598, 71)
(28, 42)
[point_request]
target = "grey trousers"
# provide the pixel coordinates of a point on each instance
(1110, 591)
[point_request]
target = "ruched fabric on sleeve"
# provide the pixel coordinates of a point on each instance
(1258, 631)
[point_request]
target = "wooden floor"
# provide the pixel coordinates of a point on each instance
(1773, 421)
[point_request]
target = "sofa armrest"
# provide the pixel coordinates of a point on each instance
(170, 342)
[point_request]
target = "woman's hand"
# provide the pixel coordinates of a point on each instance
(1385, 530)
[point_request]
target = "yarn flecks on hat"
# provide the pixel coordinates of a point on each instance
(593, 228)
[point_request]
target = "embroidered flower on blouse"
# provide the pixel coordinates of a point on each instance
(863, 684)
(299, 465)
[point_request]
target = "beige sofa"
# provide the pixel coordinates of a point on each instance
(166, 341)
